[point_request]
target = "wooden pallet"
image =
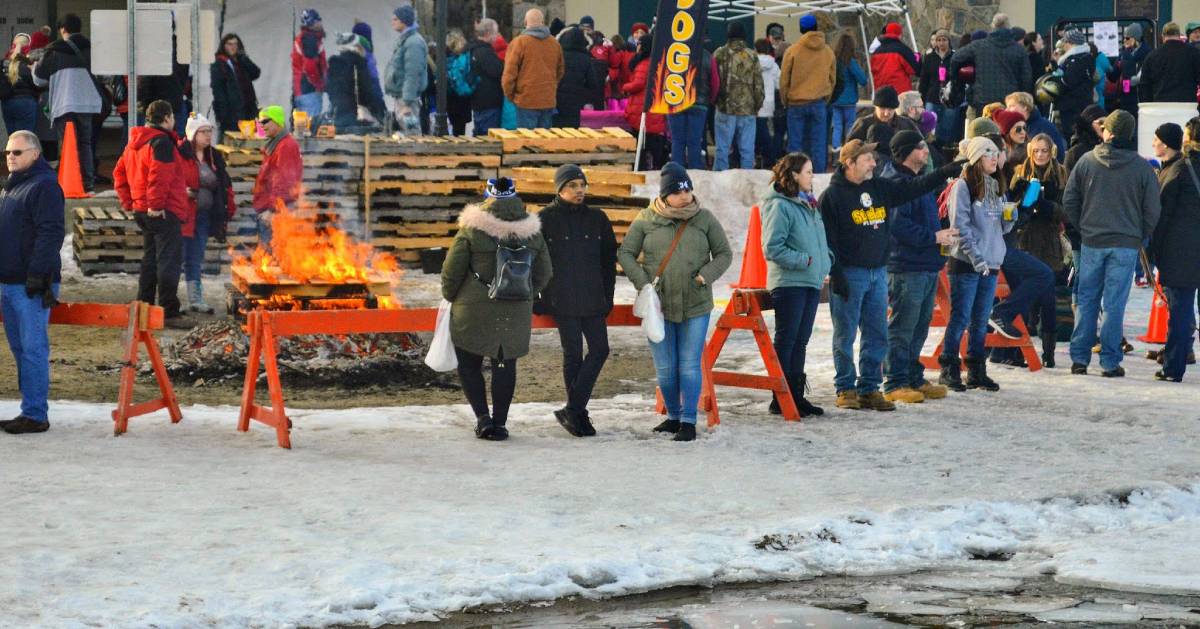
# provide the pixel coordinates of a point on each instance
(434, 161)
(247, 281)
(409, 229)
(595, 175)
(558, 140)
(393, 215)
(554, 160)
(98, 267)
(435, 145)
(431, 174)
(428, 187)
(333, 160)
(104, 220)
(411, 243)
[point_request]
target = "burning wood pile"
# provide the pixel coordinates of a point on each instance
(311, 264)
(216, 352)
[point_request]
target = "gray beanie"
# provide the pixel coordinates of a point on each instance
(566, 174)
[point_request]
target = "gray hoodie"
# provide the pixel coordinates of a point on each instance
(1112, 198)
(981, 226)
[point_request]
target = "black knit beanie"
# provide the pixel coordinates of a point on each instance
(673, 178)
(566, 174)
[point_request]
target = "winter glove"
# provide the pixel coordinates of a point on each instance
(540, 307)
(838, 284)
(36, 285)
(981, 268)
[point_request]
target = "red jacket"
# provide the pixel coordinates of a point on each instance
(894, 64)
(151, 175)
(280, 175)
(192, 176)
(308, 61)
(500, 45)
(618, 72)
(636, 89)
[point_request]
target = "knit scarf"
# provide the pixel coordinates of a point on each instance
(675, 213)
(274, 142)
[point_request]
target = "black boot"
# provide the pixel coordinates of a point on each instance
(668, 425)
(569, 421)
(484, 427)
(1048, 344)
(977, 377)
(951, 377)
(585, 424)
(774, 408)
(687, 432)
(799, 388)
(500, 433)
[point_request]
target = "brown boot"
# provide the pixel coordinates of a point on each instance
(876, 402)
(848, 399)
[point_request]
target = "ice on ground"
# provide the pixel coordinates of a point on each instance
(1164, 560)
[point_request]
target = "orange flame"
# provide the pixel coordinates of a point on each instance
(658, 103)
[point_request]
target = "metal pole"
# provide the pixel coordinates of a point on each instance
(195, 64)
(641, 143)
(862, 26)
(483, 12)
(440, 120)
(130, 59)
(911, 33)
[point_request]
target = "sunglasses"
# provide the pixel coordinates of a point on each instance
(1019, 128)
(265, 121)
(17, 152)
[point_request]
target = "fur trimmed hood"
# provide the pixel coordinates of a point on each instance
(477, 216)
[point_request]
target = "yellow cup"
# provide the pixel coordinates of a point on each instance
(300, 122)
(249, 128)
(1010, 208)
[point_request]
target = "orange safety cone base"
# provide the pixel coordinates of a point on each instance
(1156, 328)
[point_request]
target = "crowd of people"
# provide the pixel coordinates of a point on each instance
(969, 174)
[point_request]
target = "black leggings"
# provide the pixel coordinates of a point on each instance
(504, 384)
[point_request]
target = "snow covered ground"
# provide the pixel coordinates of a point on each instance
(398, 514)
(390, 515)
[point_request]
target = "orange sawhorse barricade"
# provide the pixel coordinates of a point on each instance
(744, 312)
(139, 319)
(268, 325)
(941, 316)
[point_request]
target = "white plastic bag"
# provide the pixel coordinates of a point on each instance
(648, 308)
(441, 356)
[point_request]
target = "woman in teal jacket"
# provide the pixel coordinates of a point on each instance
(798, 260)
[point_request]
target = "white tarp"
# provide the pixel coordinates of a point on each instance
(267, 29)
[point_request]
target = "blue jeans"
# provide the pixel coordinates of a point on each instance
(806, 132)
(971, 296)
(677, 363)
(843, 120)
(193, 248)
(795, 311)
(687, 137)
(911, 298)
(534, 118)
(730, 129)
(1183, 305)
(264, 231)
(1105, 275)
(311, 104)
(1028, 279)
(20, 113)
(27, 326)
(485, 120)
(864, 309)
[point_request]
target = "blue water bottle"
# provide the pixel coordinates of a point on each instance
(1032, 193)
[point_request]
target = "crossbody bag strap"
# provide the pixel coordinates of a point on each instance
(671, 251)
(1192, 171)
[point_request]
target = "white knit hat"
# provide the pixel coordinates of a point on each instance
(195, 123)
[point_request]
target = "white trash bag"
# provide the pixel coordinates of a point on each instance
(441, 356)
(648, 308)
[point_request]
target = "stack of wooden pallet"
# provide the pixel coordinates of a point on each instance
(610, 147)
(106, 239)
(333, 178)
(415, 188)
(610, 190)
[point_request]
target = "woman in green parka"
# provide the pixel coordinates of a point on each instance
(685, 288)
(479, 325)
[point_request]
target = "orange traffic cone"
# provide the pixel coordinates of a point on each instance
(1156, 329)
(69, 176)
(754, 263)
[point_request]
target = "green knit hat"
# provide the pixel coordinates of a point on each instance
(275, 114)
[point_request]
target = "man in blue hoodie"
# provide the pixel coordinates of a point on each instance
(32, 225)
(913, 270)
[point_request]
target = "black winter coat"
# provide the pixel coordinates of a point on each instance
(1077, 79)
(1170, 74)
(930, 83)
(583, 254)
(24, 86)
(348, 84)
(1175, 245)
(233, 93)
(579, 84)
(486, 65)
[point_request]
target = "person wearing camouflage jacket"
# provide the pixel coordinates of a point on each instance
(738, 100)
